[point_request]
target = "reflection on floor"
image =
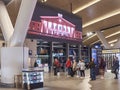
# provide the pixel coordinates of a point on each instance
(74, 83)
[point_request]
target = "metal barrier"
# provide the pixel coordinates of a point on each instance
(18, 81)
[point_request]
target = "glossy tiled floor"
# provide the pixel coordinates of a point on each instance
(73, 83)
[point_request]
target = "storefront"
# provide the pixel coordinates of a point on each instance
(109, 56)
(58, 34)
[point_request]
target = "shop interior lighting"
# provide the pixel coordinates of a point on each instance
(84, 6)
(108, 15)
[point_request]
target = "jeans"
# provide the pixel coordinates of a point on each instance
(92, 74)
(69, 70)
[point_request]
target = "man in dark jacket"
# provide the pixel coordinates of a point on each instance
(116, 67)
(92, 70)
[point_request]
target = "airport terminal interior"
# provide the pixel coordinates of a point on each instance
(59, 44)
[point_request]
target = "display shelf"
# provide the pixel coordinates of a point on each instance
(32, 78)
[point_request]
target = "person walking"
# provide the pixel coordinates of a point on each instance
(92, 69)
(102, 66)
(116, 67)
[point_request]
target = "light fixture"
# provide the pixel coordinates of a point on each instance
(84, 6)
(112, 34)
(113, 41)
(90, 37)
(89, 33)
(111, 45)
(113, 13)
(43, 1)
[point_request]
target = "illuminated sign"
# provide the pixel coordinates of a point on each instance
(111, 51)
(55, 26)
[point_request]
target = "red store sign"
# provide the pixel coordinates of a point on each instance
(55, 26)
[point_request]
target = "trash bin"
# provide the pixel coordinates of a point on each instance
(18, 81)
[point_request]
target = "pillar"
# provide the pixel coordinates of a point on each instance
(103, 40)
(51, 56)
(79, 51)
(5, 23)
(67, 50)
(15, 57)
(22, 22)
(13, 60)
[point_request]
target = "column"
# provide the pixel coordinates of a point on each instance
(22, 22)
(5, 23)
(13, 60)
(102, 39)
(51, 56)
(15, 57)
(79, 51)
(67, 50)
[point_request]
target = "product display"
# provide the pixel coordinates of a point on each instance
(32, 78)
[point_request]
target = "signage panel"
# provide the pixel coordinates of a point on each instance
(55, 24)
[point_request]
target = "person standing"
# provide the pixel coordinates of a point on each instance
(56, 66)
(35, 64)
(102, 66)
(74, 65)
(82, 68)
(63, 64)
(92, 69)
(116, 67)
(68, 65)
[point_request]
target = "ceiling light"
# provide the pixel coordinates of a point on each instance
(89, 33)
(90, 37)
(113, 13)
(113, 41)
(85, 6)
(112, 34)
(111, 45)
(43, 1)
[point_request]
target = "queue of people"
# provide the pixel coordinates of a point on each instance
(78, 68)
(71, 67)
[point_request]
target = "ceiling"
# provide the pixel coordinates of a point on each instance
(103, 15)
